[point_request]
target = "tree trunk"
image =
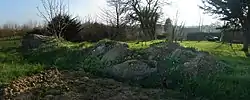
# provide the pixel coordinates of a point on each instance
(246, 34)
(170, 37)
(245, 40)
(221, 36)
(153, 33)
(117, 23)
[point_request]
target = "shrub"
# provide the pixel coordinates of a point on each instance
(65, 26)
(94, 32)
(39, 31)
(162, 36)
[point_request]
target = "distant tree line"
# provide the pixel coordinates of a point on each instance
(13, 29)
(122, 20)
(123, 17)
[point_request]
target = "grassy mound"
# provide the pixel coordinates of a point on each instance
(66, 55)
(229, 84)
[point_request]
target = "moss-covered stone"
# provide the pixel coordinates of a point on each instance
(115, 55)
(132, 70)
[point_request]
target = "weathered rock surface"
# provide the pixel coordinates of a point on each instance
(183, 55)
(35, 41)
(116, 54)
(162, 63)
(161, 50)
(197, 63)
(31, 41)
(104, 46)
(132, 70)
(158, 65)
(203, 65)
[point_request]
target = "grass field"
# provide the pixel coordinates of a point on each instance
(13, 65)
(231, 55)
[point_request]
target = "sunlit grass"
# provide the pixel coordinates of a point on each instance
(142, 45)
(216, 48)
(13, 70)
(12, 64)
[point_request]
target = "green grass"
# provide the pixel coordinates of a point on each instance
(11, 71)
(12, 64)
(142, 45)
(215, 48)
(71, 55)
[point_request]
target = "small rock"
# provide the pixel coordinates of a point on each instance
(131, 70)
(60, 97)
(53, 92)
(49, 97)
(115, 54)
(144, 98)
(31, 41)
(86, 78)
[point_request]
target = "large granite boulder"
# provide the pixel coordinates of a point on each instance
(115, 55)
(186, 64)
(31, 41)
(203, 65)
(160, 50)
(35, 41)
(183, 55)
(104, 46)
(134, 71)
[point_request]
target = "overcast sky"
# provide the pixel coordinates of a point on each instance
(22, 11)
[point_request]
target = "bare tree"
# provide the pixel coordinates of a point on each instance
(168, 27)
(146, 13)
(176, 32)
(52, 9)
(181, 34)
(201, 20)
(115, 15)
(175, 26)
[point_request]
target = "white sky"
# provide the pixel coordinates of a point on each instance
(189, 12)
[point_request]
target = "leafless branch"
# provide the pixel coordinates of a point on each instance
(52, 9)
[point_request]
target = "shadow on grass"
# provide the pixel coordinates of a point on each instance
(10, 50)
(10, 39)
(13, 65)
(61, 57)
(10, 55)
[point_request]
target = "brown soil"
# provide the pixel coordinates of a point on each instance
(77, 85)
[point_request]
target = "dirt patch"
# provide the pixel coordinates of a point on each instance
(76, 85)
